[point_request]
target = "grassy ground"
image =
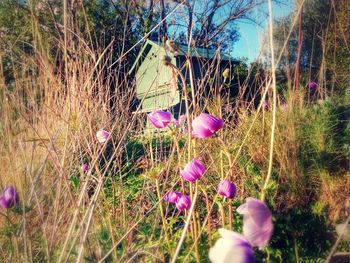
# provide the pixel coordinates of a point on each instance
(113, 212)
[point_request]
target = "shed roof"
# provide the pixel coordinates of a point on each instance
(183, 51)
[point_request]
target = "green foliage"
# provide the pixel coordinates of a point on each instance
(325, 41)
(311, 141)
(74, 181)
(323, 135)
(302, 233)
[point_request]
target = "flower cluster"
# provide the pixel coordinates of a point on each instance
(257, 232)
(257, 218)
(9, 197)
(203, 126)
(182, 201)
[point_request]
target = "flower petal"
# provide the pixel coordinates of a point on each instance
(160, 119)
(172, 197)
(231, 247)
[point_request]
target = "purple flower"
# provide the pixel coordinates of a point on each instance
(102, 136)
(85, 167)
(172, 197)
(257, 222)
(265, 105)
(193, 170)
(205, 125)
(9, 197)
(313, 85)
(227, 189)
(160, 119)
(183, 202)
(231, 247)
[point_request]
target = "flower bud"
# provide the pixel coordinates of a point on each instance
(205, 125)
(227, 189)
(184, 202)
(9, 197)
(193, 170)
(159, 119)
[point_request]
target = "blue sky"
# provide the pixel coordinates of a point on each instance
(251, 34)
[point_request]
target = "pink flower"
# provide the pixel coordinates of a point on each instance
(85, 167)
(172, 197)
(205, 125)
(183, 202)
(9, 197)
(227, 189)
(193, 170)
(231, 247)
(313, 85)
(257, 222)
(160, 119)
(265, 105)
(102, 136)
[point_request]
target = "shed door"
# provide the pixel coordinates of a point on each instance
(161, 99)
(156, 83)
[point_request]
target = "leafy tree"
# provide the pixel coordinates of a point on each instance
(214, 23)
(338, 47)
(325, 44)
(206, 25)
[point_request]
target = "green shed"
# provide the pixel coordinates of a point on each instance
(157, 86)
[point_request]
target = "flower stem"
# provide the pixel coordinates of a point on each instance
(221, 208)
(195, 228)
(209, 218)
(221, 165)
(150, 147)
(230, 214)
(163, 217)
(228, 155)
(296, 250)
(177, 251)
(273, 126)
